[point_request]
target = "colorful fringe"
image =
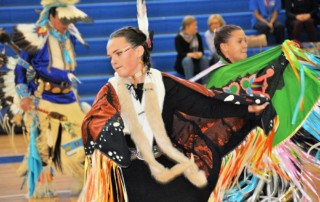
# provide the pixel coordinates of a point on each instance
(283, 166)
(281, 170)
(34, 160)
(251, 153)
(104, 180)
(44, 186)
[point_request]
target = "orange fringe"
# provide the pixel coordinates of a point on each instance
(293, 67)
(104, 180)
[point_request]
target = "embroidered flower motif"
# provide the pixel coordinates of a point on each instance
(233, 88)
(257, 85)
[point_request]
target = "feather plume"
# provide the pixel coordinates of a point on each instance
(30, 37)
(11, 64)
(143, 23)
(75, 32)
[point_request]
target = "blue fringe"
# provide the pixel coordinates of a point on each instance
(34, 160)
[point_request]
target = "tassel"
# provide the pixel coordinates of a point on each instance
(67, 57)
(34, 160)
(57, 150)
(50, 144)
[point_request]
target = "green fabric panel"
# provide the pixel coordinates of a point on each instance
(284, 100)
(224, 74)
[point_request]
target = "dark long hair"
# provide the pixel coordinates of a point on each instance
(136, 38)
(53, 11)
(222, 36)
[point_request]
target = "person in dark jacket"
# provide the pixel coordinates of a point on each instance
(190, 53)
(302, 15)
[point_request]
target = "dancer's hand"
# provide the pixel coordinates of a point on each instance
(26, 104)
(257, 109)
(73, 78)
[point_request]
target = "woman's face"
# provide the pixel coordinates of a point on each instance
(236, 47)
(214, 24)
(125, 59)
(192, 28)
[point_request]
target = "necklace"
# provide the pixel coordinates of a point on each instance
(62, 38)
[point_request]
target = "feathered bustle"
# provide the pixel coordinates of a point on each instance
(30, 37)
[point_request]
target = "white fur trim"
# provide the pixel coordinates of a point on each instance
(153, 107)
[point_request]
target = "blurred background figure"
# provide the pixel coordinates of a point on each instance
(265, 18)
(46, 103)
(215, 21)
(302, 15)
(190, 53)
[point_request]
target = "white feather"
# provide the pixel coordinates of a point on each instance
(15, 109)
(70, 12)
(47, 2)
(50, 2)
(31, 36)
(9, 88)
(68, 2)
(16, 100)
(75, 32)
(142, 17)
(12, 62)
(85, 107)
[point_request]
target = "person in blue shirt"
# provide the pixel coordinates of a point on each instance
(265, 18)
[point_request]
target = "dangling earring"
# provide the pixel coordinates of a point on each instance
(138, 74)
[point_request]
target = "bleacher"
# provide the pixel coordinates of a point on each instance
(165, 17)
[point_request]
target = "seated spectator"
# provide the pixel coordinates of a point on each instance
(190, 54)
(215, 21)
(265, 18)
(302, 15)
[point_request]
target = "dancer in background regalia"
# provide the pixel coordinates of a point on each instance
(43, 98)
